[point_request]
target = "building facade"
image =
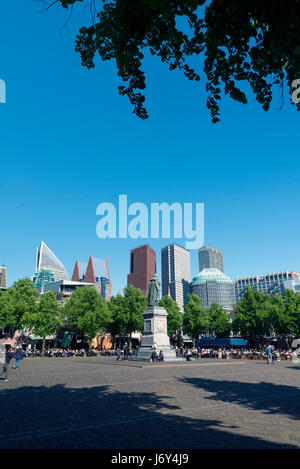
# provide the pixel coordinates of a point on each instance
(63, 289)
(94, 272)
(293, 285)
(3, 284)
(213, 286)
(210, 258)
(142, 268)
(46, 260)
(176, 273)
(272, 284)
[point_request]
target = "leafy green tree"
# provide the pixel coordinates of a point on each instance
(219, 321)
(7, 317)
(285, 313)
(46, 319)
(23, 298)
(195, 318)
(133, 306)
(175, 317)
(252, 316)
(277, 316)
(117, 324)
(234, 41)
(86, 311)
(292, 305)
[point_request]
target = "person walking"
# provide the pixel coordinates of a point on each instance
(269, 352)
(8, 356)
(2, 353)
(18, 357)
(126, 352)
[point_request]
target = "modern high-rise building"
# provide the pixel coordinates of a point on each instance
(213, 286)
(176, 273)
(3, 278)
(272, 284)
(94, 272)
(46, 260)
(210, 258)
(142, 268)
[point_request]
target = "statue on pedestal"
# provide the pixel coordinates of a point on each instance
(155, 334)
(154, 291)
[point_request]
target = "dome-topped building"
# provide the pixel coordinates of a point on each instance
(213, 286)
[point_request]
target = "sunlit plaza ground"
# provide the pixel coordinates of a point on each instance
(99, 403)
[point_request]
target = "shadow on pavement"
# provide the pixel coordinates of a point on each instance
(272, 398)
(99, 417)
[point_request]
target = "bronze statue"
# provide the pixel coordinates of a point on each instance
(154, 291)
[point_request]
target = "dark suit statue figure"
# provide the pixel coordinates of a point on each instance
(154, 291)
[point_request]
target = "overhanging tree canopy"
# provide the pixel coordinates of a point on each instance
(256, 41)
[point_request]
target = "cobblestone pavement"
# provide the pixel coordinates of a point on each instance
(98, 403)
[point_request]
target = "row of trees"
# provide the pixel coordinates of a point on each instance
(256, 316)
(85, 312)
(199, 321)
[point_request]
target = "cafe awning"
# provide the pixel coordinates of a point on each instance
(222, 342)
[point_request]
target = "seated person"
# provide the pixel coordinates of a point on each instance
(161, 356)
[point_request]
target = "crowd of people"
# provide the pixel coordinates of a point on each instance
(60, 352)
(184, 352)
(94, 352)
(269, 353)
(226, 353)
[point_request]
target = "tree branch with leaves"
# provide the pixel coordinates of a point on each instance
(251, 41)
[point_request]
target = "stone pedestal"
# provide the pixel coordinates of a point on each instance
(155, 331)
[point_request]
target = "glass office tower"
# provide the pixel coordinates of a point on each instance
(176, 273)
(46, 260)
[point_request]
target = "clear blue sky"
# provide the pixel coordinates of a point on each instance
(70, 142)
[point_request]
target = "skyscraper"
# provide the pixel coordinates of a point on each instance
(3, 278)
(142, 267)
(46, 260)
(94, 272)
(210, 258)
(176, 273)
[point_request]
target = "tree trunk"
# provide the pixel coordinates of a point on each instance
(43, 347)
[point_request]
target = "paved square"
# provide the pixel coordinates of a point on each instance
(99, 403)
